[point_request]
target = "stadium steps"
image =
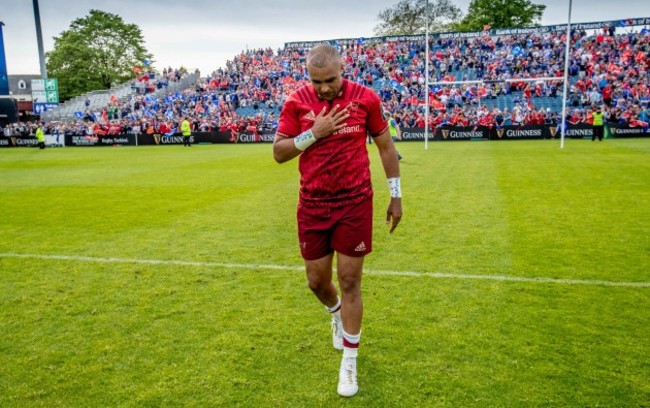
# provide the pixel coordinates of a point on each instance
(101, 99)
(98, 100)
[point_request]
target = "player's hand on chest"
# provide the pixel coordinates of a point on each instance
(325, 118)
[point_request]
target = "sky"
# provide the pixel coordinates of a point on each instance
(204, 34)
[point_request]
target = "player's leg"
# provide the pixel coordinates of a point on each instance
(314, 235)
(352, 240)
(319, 279)
(349, 276)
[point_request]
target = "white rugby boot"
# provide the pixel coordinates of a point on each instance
(337, 334)
(348, 386)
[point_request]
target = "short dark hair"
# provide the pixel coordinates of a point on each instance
(322, 55)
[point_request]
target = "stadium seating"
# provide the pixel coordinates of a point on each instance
(97, 101)
(254, 85)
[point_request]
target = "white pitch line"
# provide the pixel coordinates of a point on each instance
(439, 275)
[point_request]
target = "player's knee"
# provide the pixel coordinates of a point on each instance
(350, 284)
(316, 284)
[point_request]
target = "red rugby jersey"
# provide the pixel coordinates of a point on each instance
(335, 170)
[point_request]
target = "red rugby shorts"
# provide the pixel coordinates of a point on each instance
(345, 229)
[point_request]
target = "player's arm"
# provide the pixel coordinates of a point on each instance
(286, 148)
(388, 156)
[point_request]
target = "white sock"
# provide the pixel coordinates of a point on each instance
(335, 310)
(350, 344)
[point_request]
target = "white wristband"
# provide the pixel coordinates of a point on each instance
(394, 187)
(304, 140)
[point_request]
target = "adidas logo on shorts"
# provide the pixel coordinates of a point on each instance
(360, 248)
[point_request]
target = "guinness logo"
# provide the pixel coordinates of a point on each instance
(445, 133)
(13, 141)
(156, 138)
(553, 131)
(500, 133)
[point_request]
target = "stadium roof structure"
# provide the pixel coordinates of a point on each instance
(16, 84)
(628, 22)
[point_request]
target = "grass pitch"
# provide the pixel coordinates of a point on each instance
(519, 276)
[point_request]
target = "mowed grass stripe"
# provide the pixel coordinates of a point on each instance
(455, 203)
(578, 210)
(253, 268)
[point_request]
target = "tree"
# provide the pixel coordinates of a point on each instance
(96, 52)
(410, 17)
(500, 14)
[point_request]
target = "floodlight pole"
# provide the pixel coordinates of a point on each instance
(39, 39)
(566, 76)
(426, 77)
(4, 79)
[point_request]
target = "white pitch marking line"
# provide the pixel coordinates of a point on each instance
(300, 268)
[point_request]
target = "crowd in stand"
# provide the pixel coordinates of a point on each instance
(606, 69)
(150, 81)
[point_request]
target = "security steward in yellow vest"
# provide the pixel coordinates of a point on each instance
(395, 132)
(40, 136)
(187, 133)
(597, 125)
